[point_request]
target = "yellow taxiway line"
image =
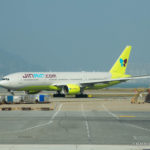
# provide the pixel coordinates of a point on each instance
(127, 116)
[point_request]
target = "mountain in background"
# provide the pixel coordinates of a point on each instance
(10, 63)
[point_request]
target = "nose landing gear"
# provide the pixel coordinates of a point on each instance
(10, 91)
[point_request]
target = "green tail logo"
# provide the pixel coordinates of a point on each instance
(123, 62)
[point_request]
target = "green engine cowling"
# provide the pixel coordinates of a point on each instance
(71, 89)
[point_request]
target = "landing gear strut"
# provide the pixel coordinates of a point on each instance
(59, 94)
(10, 91)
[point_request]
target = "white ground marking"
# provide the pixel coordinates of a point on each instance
(86, 122)
(128, 124)
(72, 147)
(109, 112)
(135, 137)
(39, 125)
(49, 122)
(138, 127)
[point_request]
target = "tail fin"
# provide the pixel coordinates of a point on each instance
(119, 68)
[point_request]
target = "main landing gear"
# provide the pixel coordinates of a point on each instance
(58, 94)
(81, 95)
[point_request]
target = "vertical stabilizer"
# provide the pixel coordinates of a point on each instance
(119, 68)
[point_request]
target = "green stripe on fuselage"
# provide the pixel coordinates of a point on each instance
(55, 88)
(40, 87)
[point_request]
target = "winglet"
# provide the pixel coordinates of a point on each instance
(119, 68)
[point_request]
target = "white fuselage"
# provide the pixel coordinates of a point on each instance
(25, 79)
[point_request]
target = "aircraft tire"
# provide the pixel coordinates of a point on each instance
(59, 95)
(81, 96)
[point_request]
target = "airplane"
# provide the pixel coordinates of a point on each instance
(72, 83)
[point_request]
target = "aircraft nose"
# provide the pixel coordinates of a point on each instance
(3, 83)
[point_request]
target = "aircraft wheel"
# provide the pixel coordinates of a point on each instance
(59, 95)
(81, 96)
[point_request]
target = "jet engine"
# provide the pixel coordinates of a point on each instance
(71, 89)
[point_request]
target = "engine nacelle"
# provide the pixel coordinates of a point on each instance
(71, 89)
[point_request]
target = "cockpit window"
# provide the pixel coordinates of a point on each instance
(5, 78)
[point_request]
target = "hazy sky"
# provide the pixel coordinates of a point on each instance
(75, 35)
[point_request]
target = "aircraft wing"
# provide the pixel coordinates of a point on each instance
(92, 82)
(105, 81)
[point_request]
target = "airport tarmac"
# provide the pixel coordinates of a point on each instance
(112, 122)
